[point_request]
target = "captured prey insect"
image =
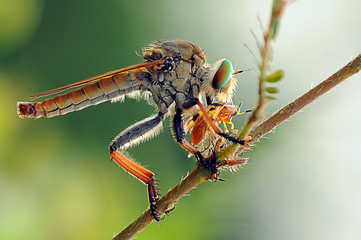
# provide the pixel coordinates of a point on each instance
(218, 112)
(174, 74)
(210, 144)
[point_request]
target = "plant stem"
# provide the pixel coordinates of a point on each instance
(196, 177)
(291, 109)
(258, 111)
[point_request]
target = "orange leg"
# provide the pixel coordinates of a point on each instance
(129, 137)
(144, 175)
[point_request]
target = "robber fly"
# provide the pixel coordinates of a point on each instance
(174, 74)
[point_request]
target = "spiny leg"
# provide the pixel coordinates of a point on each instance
(140, 131)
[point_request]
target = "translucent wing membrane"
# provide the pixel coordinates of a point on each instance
(95, 79)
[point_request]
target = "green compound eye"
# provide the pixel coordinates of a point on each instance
(223, 75)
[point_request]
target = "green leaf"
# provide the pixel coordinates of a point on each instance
(277, 9)
(275, 77)
(271, 98)
(272, 90)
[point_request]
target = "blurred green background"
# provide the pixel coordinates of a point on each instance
(56, 177)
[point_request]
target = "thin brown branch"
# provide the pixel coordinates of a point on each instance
(196, 177)
(200, 175)
(294, 107)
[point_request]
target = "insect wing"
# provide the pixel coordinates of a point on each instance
(200, 126)
(220, 111)
(97, 78)
(199, 130)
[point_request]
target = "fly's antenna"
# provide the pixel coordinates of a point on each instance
(241, 71)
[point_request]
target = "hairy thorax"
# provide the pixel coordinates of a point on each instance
(176, 80)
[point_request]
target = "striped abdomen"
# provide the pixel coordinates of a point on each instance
(92, 94)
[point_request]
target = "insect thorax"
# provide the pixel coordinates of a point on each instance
(184, 75)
